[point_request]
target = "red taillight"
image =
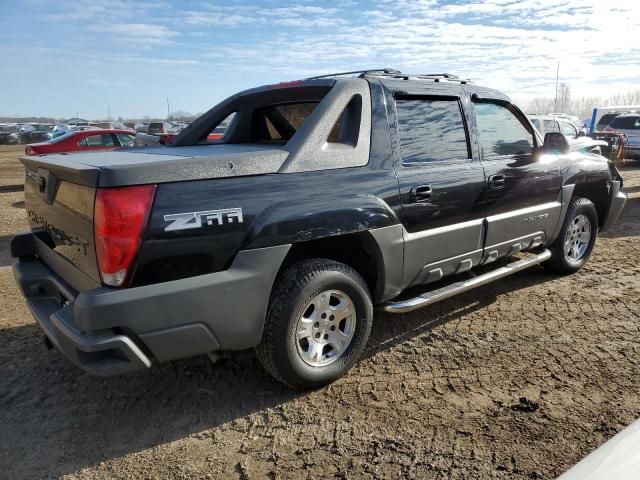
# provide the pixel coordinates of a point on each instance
(28, 151)
(119, 220)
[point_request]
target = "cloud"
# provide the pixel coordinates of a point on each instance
(512, 45)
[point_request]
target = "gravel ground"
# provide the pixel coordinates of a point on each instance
(519, 379)
(11, 172)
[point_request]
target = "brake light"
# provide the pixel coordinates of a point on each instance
(28, 151)
(120, 218)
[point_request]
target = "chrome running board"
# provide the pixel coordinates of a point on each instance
(457, 288)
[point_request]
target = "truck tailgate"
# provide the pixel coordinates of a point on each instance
(60, 214)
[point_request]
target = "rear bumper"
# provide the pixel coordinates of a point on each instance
(112, 331)
(618, 201)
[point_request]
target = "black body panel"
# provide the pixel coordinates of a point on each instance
(276, 210)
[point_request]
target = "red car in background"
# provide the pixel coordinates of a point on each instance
(87, 140)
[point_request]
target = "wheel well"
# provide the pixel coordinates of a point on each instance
(358, 250)
(598, 193)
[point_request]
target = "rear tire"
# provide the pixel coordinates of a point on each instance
(317, 324)
(571, 250)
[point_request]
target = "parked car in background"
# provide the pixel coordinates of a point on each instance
(39, 132)
(576, 137)
(605, 115)
(87, 140)
(10, 135)
(575, 121)
(550, 123)
(160, 128)
(629, 125)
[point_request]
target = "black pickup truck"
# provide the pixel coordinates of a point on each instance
(323, 198)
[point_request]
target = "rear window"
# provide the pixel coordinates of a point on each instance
(156, 127)
(62, 138)
(278, 123)
(626, 123)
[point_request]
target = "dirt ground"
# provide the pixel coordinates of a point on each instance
(519, 379)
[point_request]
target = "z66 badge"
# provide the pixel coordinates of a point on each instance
(184, 221)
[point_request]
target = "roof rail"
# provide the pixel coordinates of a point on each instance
(383, 71)
(436, 77)
(393, 73)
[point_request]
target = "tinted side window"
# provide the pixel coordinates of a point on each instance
(103, 140)
(431, 130)
(126, 140)
(551, 126)
(501, 132)
(568, 130)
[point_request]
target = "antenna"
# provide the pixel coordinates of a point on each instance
(555, 103)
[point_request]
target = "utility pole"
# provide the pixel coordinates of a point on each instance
(555, 103)
(167, 108)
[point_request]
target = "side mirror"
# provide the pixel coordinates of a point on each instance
(581, 133)
(555, 142)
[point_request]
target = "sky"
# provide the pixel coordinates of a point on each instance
(62, 57)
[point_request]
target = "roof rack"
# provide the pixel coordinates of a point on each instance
(380, 71)
(393, 73)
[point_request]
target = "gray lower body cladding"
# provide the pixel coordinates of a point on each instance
(616, 205)
(112, 331)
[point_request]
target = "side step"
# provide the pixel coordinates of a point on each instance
(457, 288)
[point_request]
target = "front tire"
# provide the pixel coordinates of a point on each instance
(317, 324)
(571, 250)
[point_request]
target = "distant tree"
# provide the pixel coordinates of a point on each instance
(181, 116)
(540, 105)
(564, 98)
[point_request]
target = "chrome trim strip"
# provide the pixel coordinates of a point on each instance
(444, 229)
(522, 211)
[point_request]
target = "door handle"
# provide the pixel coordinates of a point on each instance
(421, 193)
(496, 182)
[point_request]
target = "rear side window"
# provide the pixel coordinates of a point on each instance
(500, 132)
(626, 123)
(126, 140)
(568, 129)
(431, 130)
(551, 126)
(103, 140)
